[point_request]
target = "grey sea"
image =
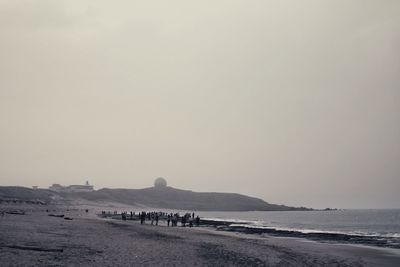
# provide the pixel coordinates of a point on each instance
(379, 227)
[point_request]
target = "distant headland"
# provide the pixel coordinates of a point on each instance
(159, 196)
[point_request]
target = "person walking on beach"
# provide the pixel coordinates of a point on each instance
(157, 217)
(183, 221)
(168, 219)
(197, 220)
(142, 217)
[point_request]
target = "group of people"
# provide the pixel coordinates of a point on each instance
(172, 219)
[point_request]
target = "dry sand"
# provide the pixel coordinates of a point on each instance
(36, 239)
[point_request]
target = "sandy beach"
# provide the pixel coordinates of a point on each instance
(36, 239)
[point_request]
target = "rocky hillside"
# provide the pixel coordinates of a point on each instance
(9, 193)
(166, 197)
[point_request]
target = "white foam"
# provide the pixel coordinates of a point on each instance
(260, 225)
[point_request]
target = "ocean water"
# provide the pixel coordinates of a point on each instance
(374, 227)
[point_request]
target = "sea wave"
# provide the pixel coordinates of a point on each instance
(316, 231)
(391, 240)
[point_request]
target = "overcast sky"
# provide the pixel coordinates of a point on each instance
(295, 102)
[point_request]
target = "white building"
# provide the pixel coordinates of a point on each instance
(72, 188)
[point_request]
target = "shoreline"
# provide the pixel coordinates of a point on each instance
(372, 253)
(36, 238)
(380, 255)
(326, 237)
(241, 226)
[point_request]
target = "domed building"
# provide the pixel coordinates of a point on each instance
(160, 183)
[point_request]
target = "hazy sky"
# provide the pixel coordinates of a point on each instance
(296, 102)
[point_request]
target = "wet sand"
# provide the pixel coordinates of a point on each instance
(36, 239)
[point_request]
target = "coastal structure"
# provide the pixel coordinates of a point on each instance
(72, 188)
(160, 183)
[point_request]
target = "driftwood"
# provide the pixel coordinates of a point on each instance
(55, 215)
(36, 248)
(16, 212)
(68, 218)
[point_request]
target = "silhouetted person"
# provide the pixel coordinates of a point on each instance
(198, 220)
(142, 217)
(175, 220)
